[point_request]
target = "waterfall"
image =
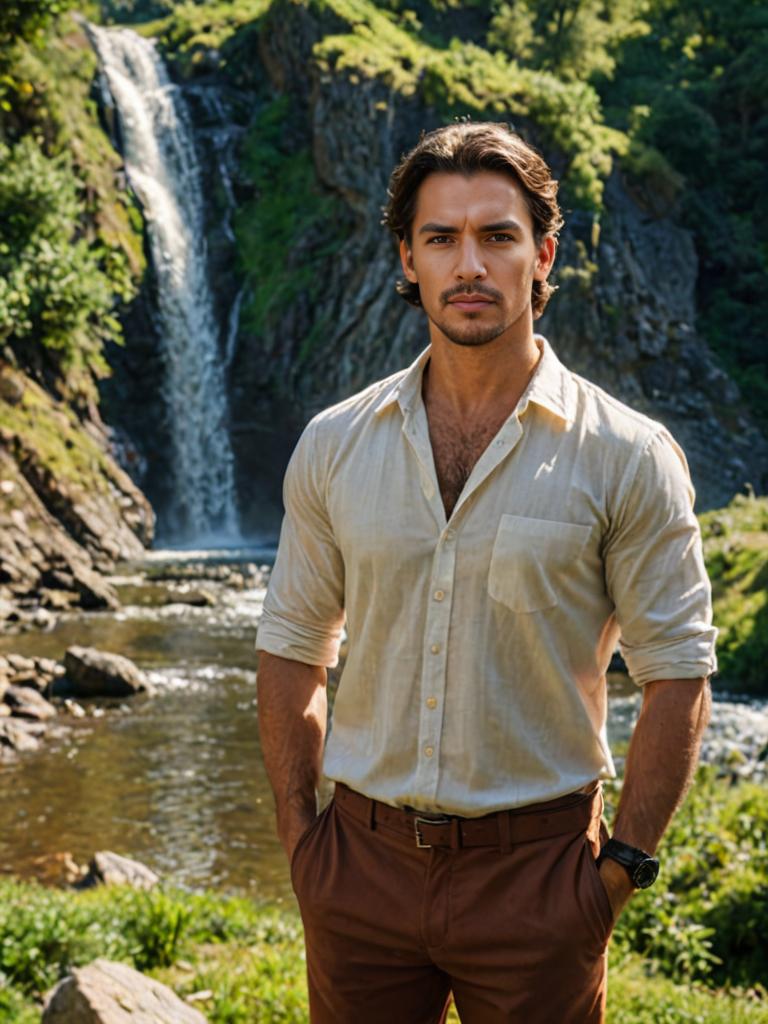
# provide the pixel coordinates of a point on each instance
(162, 168)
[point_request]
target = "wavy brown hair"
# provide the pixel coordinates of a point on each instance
(467, 149)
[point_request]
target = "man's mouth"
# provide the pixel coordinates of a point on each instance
(471, 303)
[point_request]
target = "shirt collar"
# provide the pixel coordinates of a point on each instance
(551, 386)
(406, 388)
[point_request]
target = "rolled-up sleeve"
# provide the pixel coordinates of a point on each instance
(655, 570)
(303, 615)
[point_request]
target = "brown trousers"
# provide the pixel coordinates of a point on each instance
(507, 913)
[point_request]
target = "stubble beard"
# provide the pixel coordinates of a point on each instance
(472, 332)
(473, 335)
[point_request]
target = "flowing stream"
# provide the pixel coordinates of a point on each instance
(177, 780)
(163, 170)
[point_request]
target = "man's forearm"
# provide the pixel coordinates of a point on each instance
(662, 758)
(292, 710)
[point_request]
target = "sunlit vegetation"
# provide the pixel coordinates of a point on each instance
(736, 552)
(70, 235)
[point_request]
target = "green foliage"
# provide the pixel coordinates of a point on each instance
(14, 1008)
(26, 19)
(573, 39)
(290, 227)
(154, 929)
(637, 996)
(192, 30)
(707, 920)
(44, 932)
(464, 78)
(736, 554)
(702, 75)
(53, 291)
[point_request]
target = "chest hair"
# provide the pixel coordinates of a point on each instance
(456, 448)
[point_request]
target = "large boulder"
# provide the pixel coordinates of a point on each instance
(105, 992)
(94, 673)
(107, 868)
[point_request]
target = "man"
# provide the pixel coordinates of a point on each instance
(488, 525)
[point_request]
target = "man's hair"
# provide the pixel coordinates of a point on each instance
(467, 149)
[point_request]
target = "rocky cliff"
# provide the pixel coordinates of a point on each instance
(68, 512)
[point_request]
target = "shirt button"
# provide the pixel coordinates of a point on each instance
(428, 751)
(435, 648)
(431, 702)
(439, 595)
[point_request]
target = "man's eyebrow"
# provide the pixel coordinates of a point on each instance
(437, 229)
(502, 225)
(446, 229)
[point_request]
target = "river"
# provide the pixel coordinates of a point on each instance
(177, 780)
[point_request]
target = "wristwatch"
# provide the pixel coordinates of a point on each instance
(640, 866)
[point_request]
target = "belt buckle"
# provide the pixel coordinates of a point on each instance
(420, 844)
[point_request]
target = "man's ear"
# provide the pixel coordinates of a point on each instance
(545, 257)
(406, 259)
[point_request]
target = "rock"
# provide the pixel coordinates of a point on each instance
(57, 869)
(20, 664)
(11, 391)
(198, 598)
(58, 600)
(28, 678)
(49, 667)
(25, 702)
(19, 735)
(94, 673)
(105, 992)
(74, 709)
(107, 868)
(43, 619)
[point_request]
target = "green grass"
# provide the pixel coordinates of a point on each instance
(736, 553)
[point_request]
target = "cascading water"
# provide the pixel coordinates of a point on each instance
(163, 170)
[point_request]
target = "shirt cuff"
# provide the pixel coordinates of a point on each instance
(688, 658)
(297, 642)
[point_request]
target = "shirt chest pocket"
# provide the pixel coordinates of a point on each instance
(529, 559)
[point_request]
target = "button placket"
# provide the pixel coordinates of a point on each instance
(433, 681)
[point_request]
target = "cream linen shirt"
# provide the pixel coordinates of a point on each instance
(478, 646)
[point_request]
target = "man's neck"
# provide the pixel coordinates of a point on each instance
(470, 381)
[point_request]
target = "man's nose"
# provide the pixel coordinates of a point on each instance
(470, 265)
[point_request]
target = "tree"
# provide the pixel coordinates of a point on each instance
(575, 39)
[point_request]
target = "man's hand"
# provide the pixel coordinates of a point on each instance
(617, 884)
(290, 831)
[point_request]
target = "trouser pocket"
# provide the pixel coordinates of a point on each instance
(301, 847)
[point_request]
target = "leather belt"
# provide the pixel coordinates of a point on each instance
(502, 828)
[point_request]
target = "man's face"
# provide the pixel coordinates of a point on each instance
(473, 255)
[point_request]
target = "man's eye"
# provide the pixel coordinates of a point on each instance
(439, 239)
(501, 236)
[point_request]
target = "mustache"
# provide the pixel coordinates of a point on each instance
(477, 289)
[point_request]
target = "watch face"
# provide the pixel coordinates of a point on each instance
(646, 872)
